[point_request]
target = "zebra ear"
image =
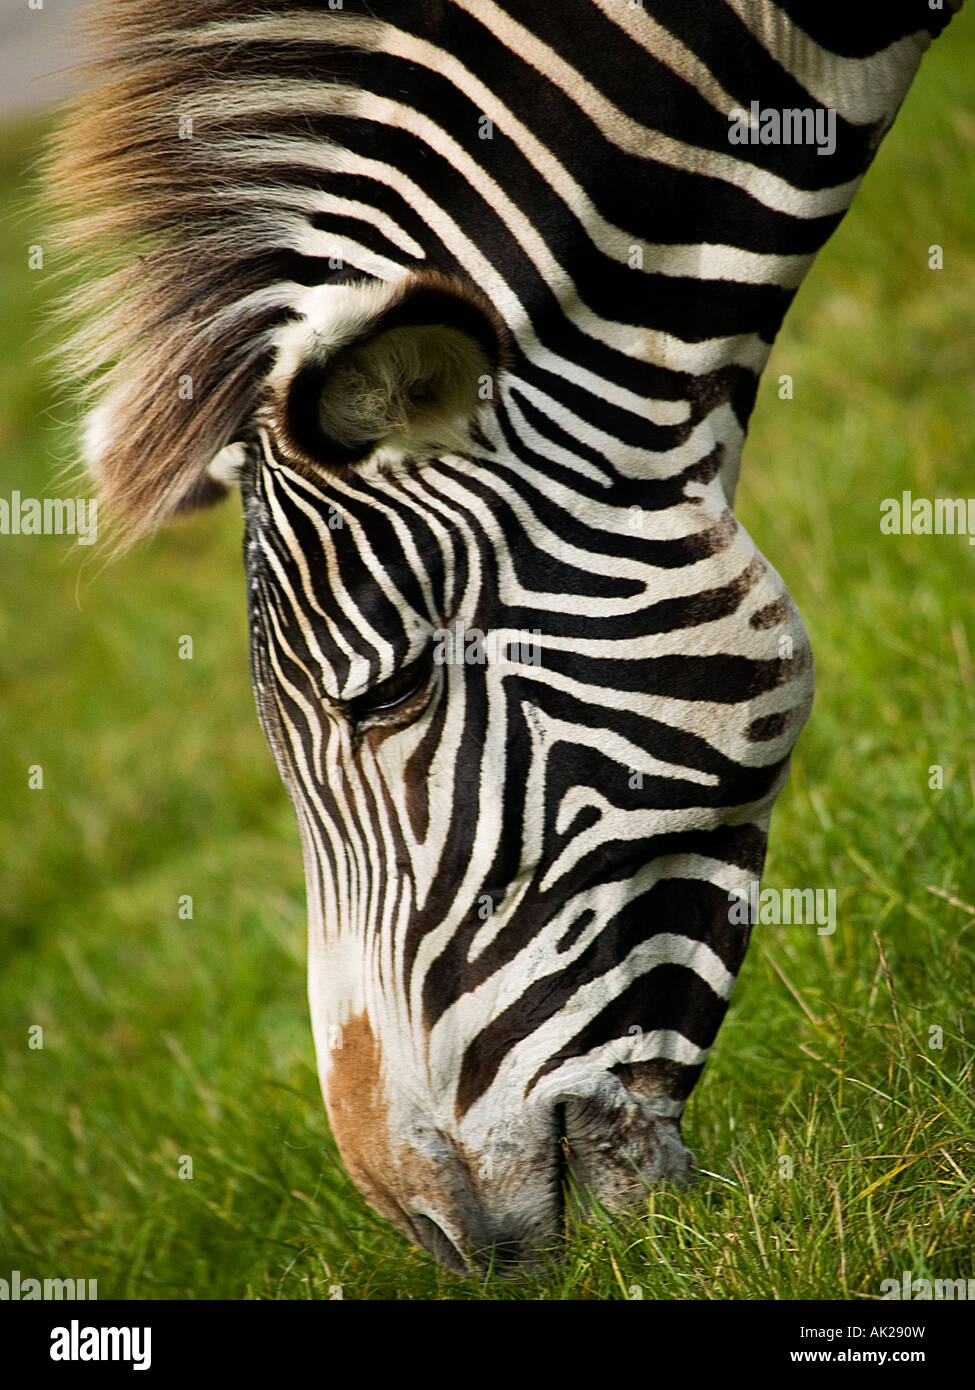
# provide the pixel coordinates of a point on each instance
(221, 476)
(398, 371)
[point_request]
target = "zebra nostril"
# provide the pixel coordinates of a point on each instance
(502, 1256)
(435, 1240)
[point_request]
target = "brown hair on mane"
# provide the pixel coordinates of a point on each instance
(185, 266)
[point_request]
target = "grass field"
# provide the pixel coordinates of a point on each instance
(166, 1037)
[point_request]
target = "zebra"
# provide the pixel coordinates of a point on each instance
(469, 301)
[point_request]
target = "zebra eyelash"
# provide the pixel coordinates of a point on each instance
(404, 689)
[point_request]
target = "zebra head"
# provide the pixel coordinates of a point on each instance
(474, 321)
(532, 706)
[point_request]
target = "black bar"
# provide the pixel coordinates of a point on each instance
(259, 1337)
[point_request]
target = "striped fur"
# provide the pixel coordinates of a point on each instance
(518, 868)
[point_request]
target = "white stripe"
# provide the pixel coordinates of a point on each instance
(861, 90)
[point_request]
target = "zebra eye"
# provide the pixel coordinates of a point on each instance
(396, 693)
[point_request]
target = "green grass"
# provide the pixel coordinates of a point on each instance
(166, 1037)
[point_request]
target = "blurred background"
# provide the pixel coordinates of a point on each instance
(168, 1036)
(39, 51)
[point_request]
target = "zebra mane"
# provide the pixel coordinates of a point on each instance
(174, 205)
